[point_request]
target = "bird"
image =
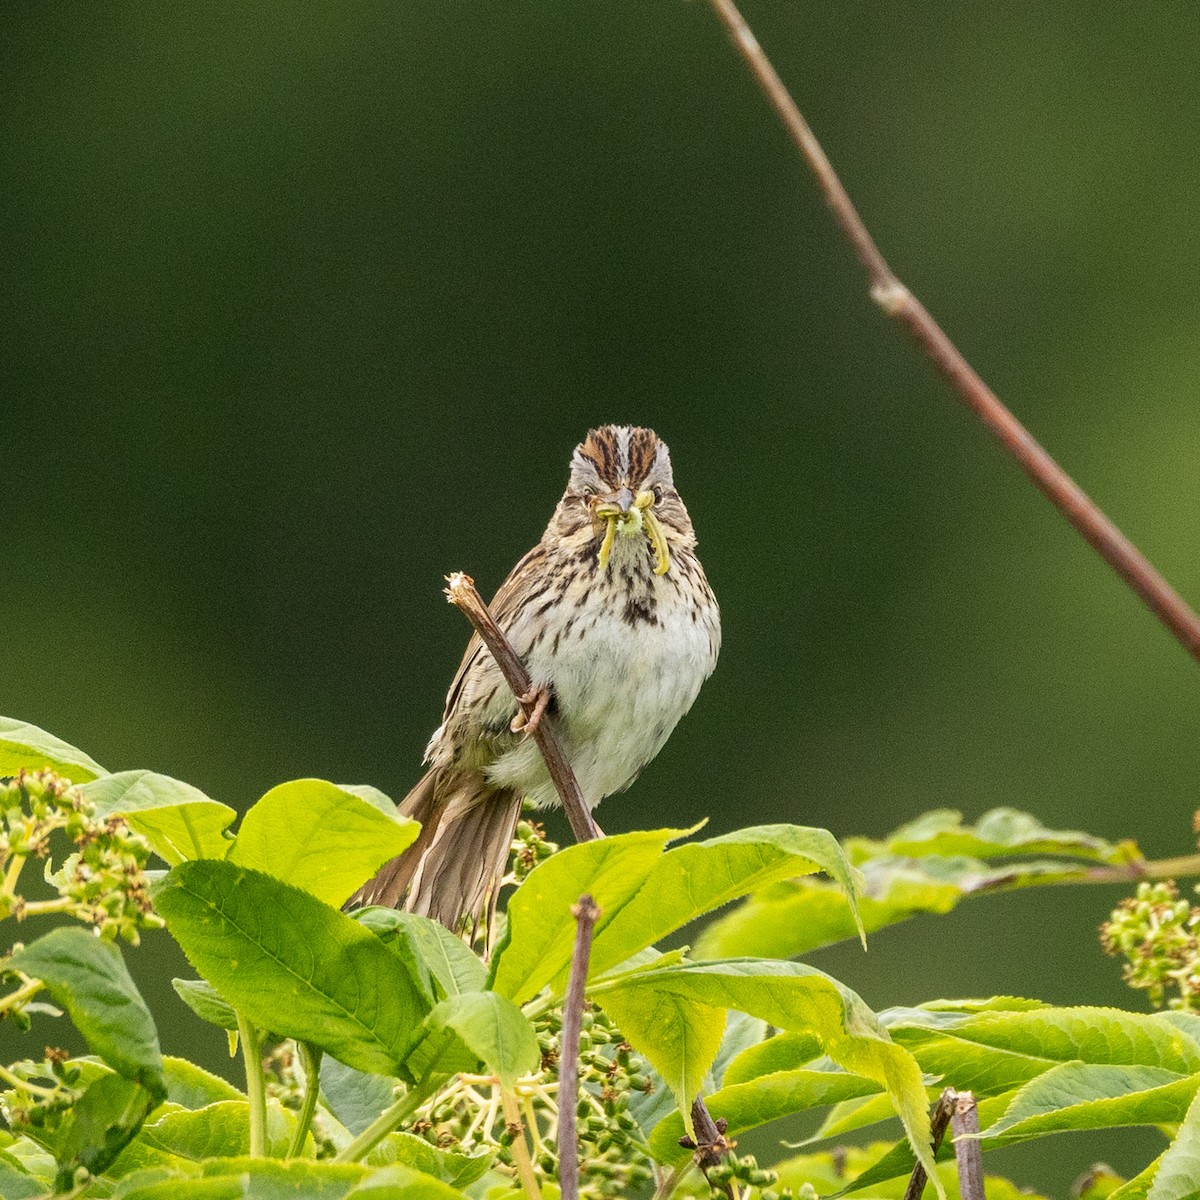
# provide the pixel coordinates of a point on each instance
(615, 620)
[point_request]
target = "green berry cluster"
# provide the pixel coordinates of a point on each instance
(102, 882)
(41, 1093)
(528, 849)
(614, 1159)
(1155, 931)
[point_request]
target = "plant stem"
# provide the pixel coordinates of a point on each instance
(897, 301)
(389, 1119)
(461, 592)
(9, 886)
(512, 1115)
(41, 907)
(586, 914)
(23, 1084)
(311, 1057)
(255, 1089)
(26, 991)
(968, 1154)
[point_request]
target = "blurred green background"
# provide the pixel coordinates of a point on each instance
(307, 305)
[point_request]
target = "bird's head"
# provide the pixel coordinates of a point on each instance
(621, 481)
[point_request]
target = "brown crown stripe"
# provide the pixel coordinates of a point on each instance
(601, 447)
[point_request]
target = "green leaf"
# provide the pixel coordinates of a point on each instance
(927, 866)
(220, 1130)
(205, 1001)
(540, 933)
(100, 1125)
(449, 961)
(1092, 1035)
(488, 1027)
(179, 821)
(1178, 1174)
(799, 998)
(354, 1097)
(458, 1170)
(747, 1105)
(399, 1182)
(241, 1178)
(679, 1037)
(783, 1052)
(1000, 832)
(15, 1184)
(319, 837)
(697, 877)
(26, 747)
(193, 1087)
(292, 964)
(88, 978)
(1091, 1096)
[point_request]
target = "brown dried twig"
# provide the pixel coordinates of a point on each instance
(937, 1130)
(897, 301)
(586, 914)
(968, 1154)
(462, 593)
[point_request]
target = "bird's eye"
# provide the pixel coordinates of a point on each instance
(658, 494)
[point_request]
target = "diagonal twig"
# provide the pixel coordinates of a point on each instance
(586, 914)
(461, 592)
(937, 1130)
(898, 302)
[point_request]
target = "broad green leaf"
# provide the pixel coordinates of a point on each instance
(1178, 1174)
(488, 1027)
(848, 1116)
(240, 1178)
(1092, 1035)
(179, 821)
(400, 1182)
(783, 1052)
(969, 1066)
(799, 998)
(15, 1184)
(88, 978)
(540, 933)
(26, 747)
(458, 1170)
(1090, 1096)
(193, 1087)
(679, 1037)
(698, 877)
(205, 1001)
(448, 959)
(354, 1097)
(292, 964)
(1000, 832)
(100, 1125)
(747, 1105)
(220, 1130)
(316, 836)
(794, 917)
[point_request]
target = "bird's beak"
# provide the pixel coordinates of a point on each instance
(632, 514)
(615, 504)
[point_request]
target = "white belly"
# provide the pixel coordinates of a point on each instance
(620, 691)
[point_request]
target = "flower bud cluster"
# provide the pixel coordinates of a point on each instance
(529, 848)
(614, 1159)
(102, 882)
(1155, 931)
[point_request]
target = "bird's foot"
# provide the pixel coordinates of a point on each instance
(539, 697)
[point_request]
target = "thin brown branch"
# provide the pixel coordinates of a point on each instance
(898, 302)
(968, 1154)
(461, 592)
(586, 914)
(937, 1129)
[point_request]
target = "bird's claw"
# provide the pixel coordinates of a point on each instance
(539, 697)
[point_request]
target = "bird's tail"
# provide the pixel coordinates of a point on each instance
(453, 870)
